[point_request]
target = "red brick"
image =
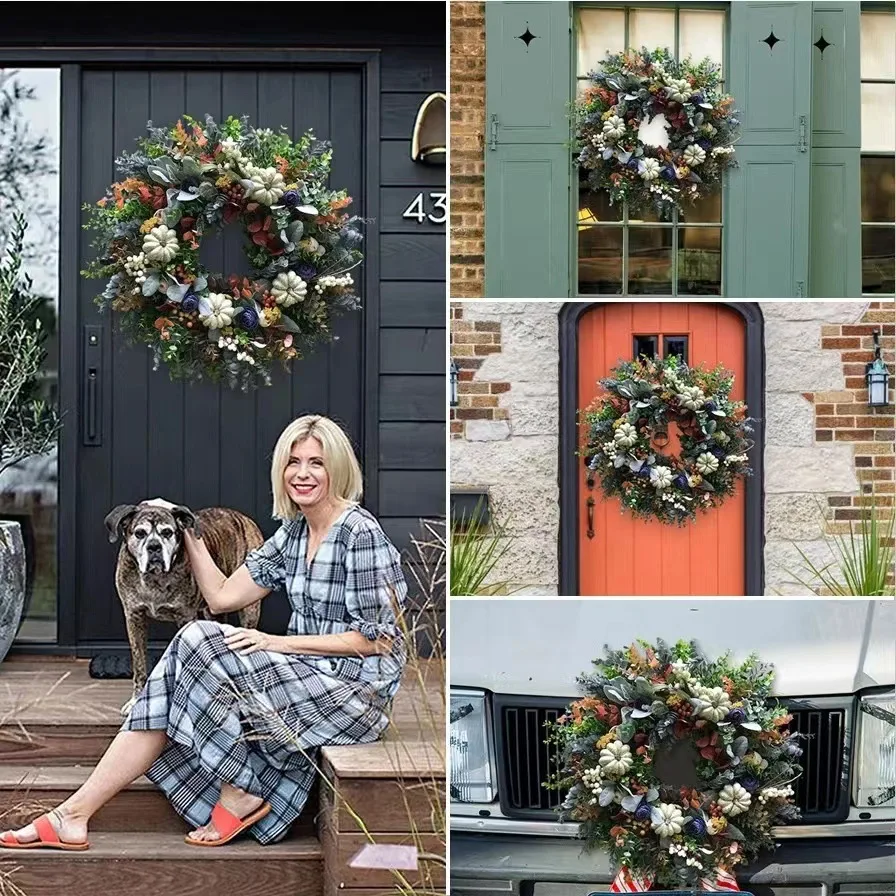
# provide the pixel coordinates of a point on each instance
(836, 422)
(474, 414)
(826, 409)
(487, 349)
(488, 326)
(839, 501)
(863, 461)
(853, 435)
(824, 435)
(498, 388)
(884, 460)
(840, 342)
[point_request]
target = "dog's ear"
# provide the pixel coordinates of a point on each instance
(118, 519)
(184, 517)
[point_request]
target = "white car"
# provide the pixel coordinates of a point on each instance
(514, 664)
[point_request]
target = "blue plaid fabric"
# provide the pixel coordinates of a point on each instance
(257, 721)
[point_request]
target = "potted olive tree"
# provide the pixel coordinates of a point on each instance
(28, 424)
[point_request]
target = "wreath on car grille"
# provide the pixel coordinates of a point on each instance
(625, 427)
(678, 764)
(655, 132)
(190, 180)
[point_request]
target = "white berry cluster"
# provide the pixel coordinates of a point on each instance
(722, 150)
(329, 281)
(135, 265)
(682, 672)
(245, 356)
(771, 793)
(735, 459)
(228, 343)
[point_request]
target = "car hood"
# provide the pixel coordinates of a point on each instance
(538, 647)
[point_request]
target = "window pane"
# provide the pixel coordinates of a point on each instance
(600, 260)
(29, 148)
(877, 259)
(878, 45)
(877, 189)
(598, 32)
(594, 207)
(650, 261)
(701, 32)
(644, 345)
(646, 216)
(699, 261)
(706, 210)
(879, 117)
(651, 28)
(676, 346)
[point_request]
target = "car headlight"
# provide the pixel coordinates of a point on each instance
(472, 767)
(875, 767)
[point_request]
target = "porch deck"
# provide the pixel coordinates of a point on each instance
(55, 722)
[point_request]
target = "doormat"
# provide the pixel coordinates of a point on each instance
(117, 663)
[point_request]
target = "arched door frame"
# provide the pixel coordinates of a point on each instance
(570, 466)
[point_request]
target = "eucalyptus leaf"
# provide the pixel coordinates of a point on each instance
(641, 713)
(204, 306)
(741, 745)
(607, 795)
(733, 833)
(207, 191)
(656, 816)
(190, 167)
(651, 795)
(159, 174)
(751, 726)
(630, 803)
(307, 210)
(177, 291)
(187, 196)
(288, 324)
(719, 413)
(199, 284)
(150, 284)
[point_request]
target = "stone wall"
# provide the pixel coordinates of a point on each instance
(467, 142)
(821, 439)
(515, 456)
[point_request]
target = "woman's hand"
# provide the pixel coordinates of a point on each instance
(250, 640)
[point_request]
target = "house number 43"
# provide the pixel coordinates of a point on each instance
(416, 211)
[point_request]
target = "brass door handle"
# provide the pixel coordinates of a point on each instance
(590, 505)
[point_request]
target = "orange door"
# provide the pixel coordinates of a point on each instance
(646, 557)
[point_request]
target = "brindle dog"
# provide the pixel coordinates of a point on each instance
(153, 575)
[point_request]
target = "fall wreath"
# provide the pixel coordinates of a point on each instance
(624, 425)
(678, 764)
(190, 180)
(655, 132)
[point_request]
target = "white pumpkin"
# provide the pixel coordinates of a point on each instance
(221, 311)
(615, 758)
(669, 821)
(160, 244)
(734, 799)
(707, 463)
(267, 186)
(288, 288)
(719, 703)
(626, 435)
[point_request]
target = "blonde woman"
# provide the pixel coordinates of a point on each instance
(329, 680)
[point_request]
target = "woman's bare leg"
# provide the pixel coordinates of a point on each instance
(129, 755)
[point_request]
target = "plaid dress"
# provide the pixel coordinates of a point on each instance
(256, 721)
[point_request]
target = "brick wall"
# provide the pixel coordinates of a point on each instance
(467, 141)
(471, 343)
(844, 415)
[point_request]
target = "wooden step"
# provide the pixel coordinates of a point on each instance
(27, 791)
(383, 793)
(145, 864)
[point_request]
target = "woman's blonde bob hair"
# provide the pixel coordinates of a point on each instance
(340, 462)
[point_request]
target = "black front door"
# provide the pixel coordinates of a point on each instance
(140, 435)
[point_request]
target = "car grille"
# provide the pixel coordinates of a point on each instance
(525, 761)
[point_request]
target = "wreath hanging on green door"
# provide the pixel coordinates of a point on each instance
(187, 181)
(624, 425)
(676, 763)
(655, 132)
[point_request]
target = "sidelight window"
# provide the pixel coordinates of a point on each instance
(878, 72)
(623, 254)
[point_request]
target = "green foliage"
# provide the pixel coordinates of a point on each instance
(28, 424)
(862, 562)
(475, 551)
(640, 704)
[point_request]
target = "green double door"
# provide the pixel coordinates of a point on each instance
(791, 220)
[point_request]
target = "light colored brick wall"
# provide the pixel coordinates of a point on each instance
(823, 446)
(467, 225)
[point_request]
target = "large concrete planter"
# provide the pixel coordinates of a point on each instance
(12, 583)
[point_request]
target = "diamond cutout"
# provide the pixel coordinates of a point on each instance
(822, 44)
(771, 40)
(527, 36)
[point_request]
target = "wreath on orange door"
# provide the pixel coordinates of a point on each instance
(640, 400)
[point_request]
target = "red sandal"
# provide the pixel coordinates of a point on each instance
(47, 838)
(229, 825)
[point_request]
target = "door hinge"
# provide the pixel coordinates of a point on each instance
(799, 288)
(493, 133)
(804, 127)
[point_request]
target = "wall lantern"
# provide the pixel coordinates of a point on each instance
(877, 377)
(586, 217)
(428, 143)
(453, 381)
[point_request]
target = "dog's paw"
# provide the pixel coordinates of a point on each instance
(128, 706)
